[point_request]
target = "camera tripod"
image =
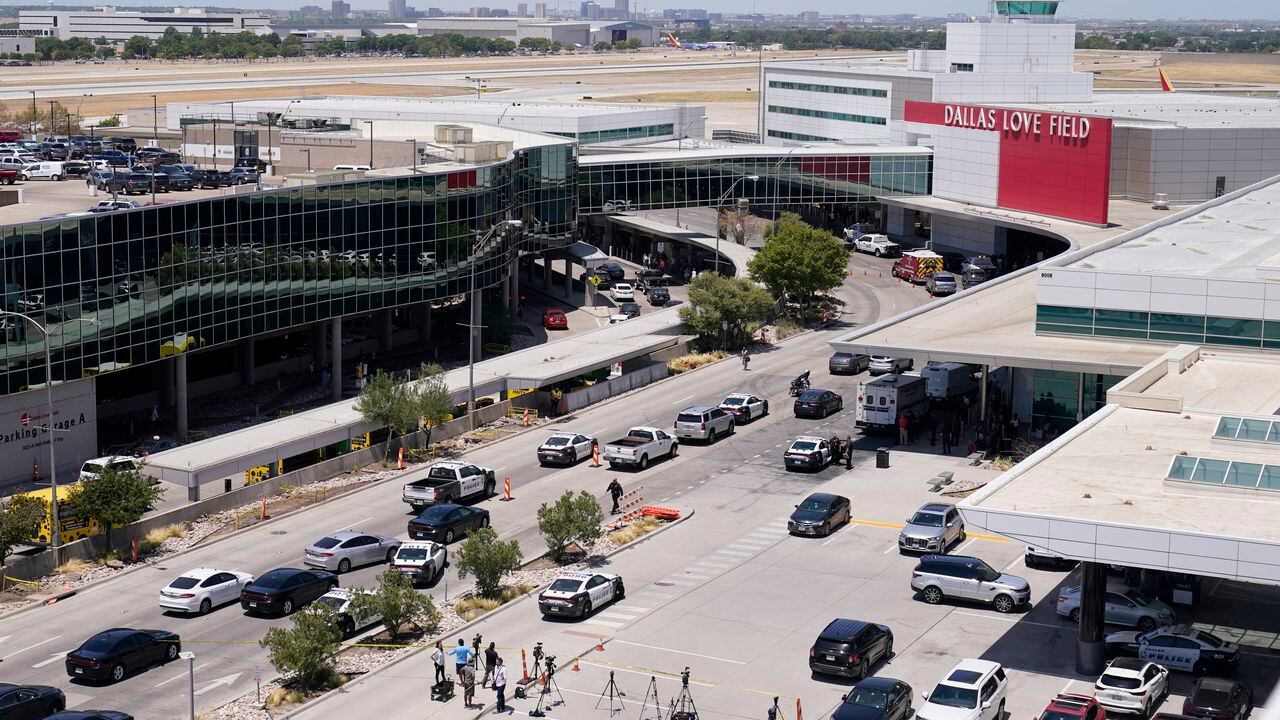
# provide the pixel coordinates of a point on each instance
(651, 692)
(539, 709)
(682, 707)
(614, 693)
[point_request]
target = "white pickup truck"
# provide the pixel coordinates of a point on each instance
(641, 445)
(450, 481)
(878, 245)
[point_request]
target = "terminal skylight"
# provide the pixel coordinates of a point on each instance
(1248, 429)
(1227, 473)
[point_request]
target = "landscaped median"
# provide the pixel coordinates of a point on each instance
(377, 650)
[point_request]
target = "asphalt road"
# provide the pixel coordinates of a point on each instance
(225, 642)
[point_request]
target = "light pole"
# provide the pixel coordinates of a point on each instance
(190, 657)
(414, 140)
(78, 117)
(370, 124)
(719, 201)
(155, 115)
(774, 173)
(471, 310)
(55, 535)
(53, 125)
(685, 129)
(308, 152)
(33, 115)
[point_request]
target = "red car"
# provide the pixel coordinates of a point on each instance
(1073, 706)
(555, 320)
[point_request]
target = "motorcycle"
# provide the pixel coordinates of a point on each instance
(800, 384)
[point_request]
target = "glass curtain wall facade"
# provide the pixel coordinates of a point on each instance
(648, 184)
(1162, 327)
(158, 281)
(1057, 397)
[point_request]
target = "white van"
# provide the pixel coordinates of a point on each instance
(352, 167)
(92, 468)
(46, 170)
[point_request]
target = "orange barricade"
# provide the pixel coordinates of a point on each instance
(662, 513)
(506, 488)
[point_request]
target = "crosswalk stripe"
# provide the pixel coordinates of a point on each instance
(617, 616)
(606, 623)
(632, 608)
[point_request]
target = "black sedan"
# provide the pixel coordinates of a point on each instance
(29, 702)
(876, 698)
(629, 309)
(282, 590)
(1217, 698)
(843, 363)
(614, 270)
(819, 514)
(114, 653)
(658, 296)
(818, 403)
(443, 523)
(90, 715)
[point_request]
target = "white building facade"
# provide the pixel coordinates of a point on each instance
(112, 24)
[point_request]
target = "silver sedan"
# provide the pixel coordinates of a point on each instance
(340, 551)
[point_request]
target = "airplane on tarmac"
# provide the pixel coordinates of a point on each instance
(674, 42)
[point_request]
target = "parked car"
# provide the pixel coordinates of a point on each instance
(614, 270)
(1125, 606)
(113, 654)
(54, 151)
(622, 291)
(745, 407)
(807, 453)
(136, 182)
(29, 702)
(94, 467)
(577, 594)
(847, 363)
(882, 364)
(629, 309)
(941, 283)
(257, 165)
(242, 176)
(565, 448)
(850, 647)
(202, 589)
(148, 178)
(1178, 647)
(703, 423)
(177, 180)
(422, 562)
(125, 144)
(972, 690)
(342, 550)
(341, 602)
(1073, 706)
(820, 514)
(816, 402)
(283, 590)
(1130, 685)
(1034, 557)
(874, 244)
(210, 178)
(962, 577)
(640, 445)
(876, 698)
(934, 528)
(1215, 698)
(113, 205)
(658, 296)
(76, 168)
(42, 171)
(555, 319)
(8, 176)
(446, 522)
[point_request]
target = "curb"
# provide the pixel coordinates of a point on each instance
(460, 629)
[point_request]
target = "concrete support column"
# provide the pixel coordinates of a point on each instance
(335, 361)
(164, 378)
(506, 292)
(180, 394)
(1090, 646)
(568, 277)
(386, 328)
(1080, 398)
(515, 293)
(248, 373)
(317, 344)
(982, 394)
(546, 273)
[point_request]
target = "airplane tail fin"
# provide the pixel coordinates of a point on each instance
(1165, 84)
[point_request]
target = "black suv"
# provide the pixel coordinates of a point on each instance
(53, 151)
(210, 178)
(850, 647)
(659, 296)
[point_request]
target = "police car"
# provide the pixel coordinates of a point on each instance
(808, 453)
(564, 448)
(577, 594)
(1177, 647)
(340, 601)
(745, 407)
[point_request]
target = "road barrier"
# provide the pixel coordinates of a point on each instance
(662, 513)
(506, 488)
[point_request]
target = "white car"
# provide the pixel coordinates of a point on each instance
(422, 562)
(1125, 606)
(618, 318)
(202, 589)
(339, 602)
(1130, 685)
(427, 261)
(93, 468)
(577, 594)
(622, 291)
(745, 406)
(882, 364)
(972, 690)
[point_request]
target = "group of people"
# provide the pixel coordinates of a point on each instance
(842, 450)
(465, 662)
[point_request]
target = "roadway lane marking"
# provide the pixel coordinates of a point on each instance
(652, 673)
(52, 659)
(606, 623)
(354, 524)
(966, 544)
(681, 652)
(633, 608)
(30, 647)
(179, 676)
(1067, 686)
(686, 397)
(1011, 621)
(729, 553)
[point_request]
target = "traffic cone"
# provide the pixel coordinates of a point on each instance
(575, 667)
(600, 645)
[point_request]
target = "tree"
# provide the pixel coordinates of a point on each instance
(138, 46)
(798, 260)
(715, 301)
(20, 519)
(401, 405)
(601, 46)
(113, 121)
(435, 402)
(488, 559)
(572, 518)
(307, 649)
(291, 47)
(396, 602)
(114, 497)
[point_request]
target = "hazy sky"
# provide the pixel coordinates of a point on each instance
(1146, 9)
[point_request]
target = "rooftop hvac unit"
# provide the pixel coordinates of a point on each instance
(1161, 202)
(453, 134)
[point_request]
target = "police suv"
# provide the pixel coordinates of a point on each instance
(577, 594)
(1177, 647)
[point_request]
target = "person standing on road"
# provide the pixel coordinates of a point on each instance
(468, 679)
(948, 436)
(437, 659)
(490, 659)
(615, 492)
(848, 452)
(500, 684)
(746, 357)
(461, 656)
(902, 429)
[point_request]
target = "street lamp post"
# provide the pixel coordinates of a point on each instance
(414, 140)
(155, 114)
(53, 125)
(55, 535)
(680, 138)
(471, 310)
(370, 124)
(719, 202)
(33, 115)
(190, 657)
(308, 152)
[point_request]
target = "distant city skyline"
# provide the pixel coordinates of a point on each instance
(1099, 9)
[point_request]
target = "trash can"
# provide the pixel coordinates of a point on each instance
(882, 458)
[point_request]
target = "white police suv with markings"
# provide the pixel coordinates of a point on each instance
(577, 594)
(1178, 647)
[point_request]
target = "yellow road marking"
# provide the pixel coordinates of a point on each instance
(899, 526)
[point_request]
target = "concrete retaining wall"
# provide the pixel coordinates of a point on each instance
(579, 399)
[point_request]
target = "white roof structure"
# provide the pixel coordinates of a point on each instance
(1176, 109)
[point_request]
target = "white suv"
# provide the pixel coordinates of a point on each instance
(972, 690)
